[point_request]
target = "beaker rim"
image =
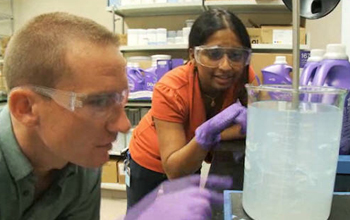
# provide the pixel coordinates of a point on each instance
(302, 89)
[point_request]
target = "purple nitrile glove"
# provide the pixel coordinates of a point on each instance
(208, 134)
(176, 199)
(192, 203)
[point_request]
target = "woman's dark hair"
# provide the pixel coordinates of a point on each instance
(212, 21)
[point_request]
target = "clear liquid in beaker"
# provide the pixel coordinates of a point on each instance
(291, 160)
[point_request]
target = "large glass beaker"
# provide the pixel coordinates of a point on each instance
(291, 151)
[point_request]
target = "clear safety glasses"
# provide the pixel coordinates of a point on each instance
(95, 105)
(212, 56)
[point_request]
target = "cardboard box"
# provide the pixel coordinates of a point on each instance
(110, 172)
(123, 39)
(280, 35)
(121, 172)
(255, 35)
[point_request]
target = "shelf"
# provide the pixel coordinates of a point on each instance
(113, 186)
(237, 6)
(158, 9)
(255, 47)
(139, 103)
(249, 6)
(154, 47)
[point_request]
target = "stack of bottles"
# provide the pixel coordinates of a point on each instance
(142, 80)
(334, 70)
(330, 67)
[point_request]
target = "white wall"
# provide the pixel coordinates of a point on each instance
(326, 30)
(345, 25)
(94, 9)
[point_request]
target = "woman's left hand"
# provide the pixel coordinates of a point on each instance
(208, 134)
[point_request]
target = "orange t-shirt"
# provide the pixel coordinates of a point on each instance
(176, 98)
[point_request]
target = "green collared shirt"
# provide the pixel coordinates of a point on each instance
(75, 193)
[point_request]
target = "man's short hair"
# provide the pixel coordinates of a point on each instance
(36, 53)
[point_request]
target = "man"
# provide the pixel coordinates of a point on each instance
(68, 88)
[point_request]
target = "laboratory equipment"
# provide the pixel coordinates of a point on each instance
(291, 154)
(314, 9)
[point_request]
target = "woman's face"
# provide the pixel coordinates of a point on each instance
(224, 73)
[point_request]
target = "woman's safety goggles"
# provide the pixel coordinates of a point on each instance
(94, 105)
(213, 56)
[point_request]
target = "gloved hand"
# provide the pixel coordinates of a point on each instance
(192, 203)
(180, 199)
(208, 134)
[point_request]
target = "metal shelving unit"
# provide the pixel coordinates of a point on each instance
(237, 6)
(255, 47)
(158, 9)
(249, 6)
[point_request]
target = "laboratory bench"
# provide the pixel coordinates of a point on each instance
(228, 160)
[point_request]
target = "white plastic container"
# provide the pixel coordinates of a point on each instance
(189, 22)
(161, 36)
(185, 34)
(170, 40)
(152, 36)
(157, 57)
(143, 62)
(142, 37)
(179, 40)
(171, 34)
(132, 37)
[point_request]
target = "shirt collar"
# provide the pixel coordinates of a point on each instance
(68, 171)
(18, 164)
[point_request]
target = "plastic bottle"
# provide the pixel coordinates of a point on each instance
(335, 71)
(165, 61)
(135, 77)
(278, 73)
(313, 62)
(150, 79)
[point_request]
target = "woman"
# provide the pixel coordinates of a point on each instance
(171, 140)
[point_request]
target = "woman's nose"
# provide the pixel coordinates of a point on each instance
(225, 63)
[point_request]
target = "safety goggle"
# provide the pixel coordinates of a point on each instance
(94, 105)
(212, 56)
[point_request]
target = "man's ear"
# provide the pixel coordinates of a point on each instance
(22, 105)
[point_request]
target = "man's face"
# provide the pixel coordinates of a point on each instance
(84, 139)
